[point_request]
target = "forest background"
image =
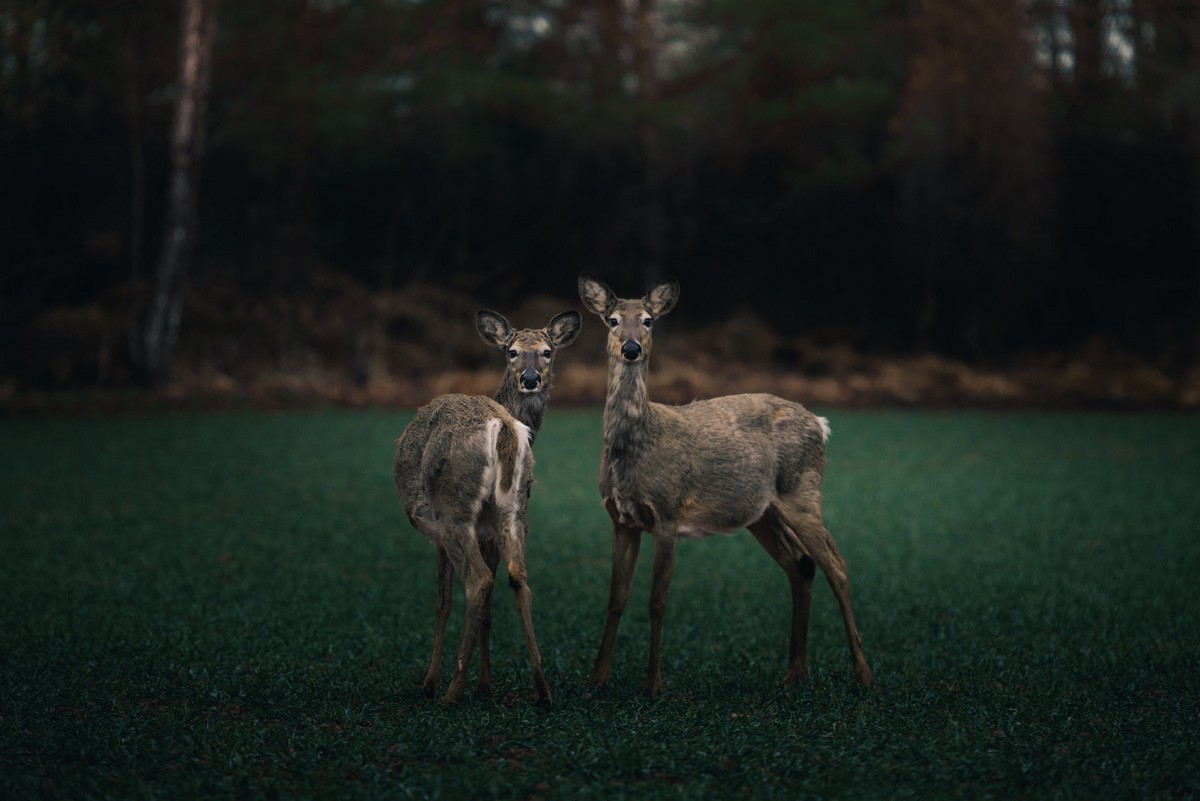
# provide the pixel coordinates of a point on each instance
(925, 202)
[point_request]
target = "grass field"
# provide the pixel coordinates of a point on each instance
(232, 604)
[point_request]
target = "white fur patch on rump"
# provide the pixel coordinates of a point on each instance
(825, 431)
(492, 476)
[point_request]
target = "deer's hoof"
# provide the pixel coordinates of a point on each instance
(541, 689)
(454, 694)
(794, 676)
(863, 674)
(430, 686)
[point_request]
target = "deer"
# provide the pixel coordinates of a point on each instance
(464, 473)
(711, 467)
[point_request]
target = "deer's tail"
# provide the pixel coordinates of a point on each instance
(508, 441)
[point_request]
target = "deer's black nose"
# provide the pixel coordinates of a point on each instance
(631, 350)
(530, 379)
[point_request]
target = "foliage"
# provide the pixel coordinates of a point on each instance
(232, 604)
(933, 175)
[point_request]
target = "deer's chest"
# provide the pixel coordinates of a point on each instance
(627, 497)
(701, 499)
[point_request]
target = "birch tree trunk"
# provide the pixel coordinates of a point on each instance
(161, 323)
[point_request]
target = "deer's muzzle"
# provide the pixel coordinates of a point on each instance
(631, 350)
(530, 379)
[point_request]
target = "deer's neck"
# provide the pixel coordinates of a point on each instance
(626, 412)
(528, 408)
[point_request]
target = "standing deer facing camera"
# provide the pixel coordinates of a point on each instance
(464, 467)
(711, 467)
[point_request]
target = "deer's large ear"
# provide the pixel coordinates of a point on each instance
(564, 328)
(494, 329)
(597, 297)
(662, 297)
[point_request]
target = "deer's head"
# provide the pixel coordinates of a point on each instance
(530, 351)
(630, 323)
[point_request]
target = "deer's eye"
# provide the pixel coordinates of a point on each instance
(546, 354)
(612, 322)
(648, 322)
(512, 354)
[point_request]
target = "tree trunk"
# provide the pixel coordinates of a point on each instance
(161, 330)
(1087, 27)
(607, 63)
(1190, 24)
(653, 217)
(135, 114)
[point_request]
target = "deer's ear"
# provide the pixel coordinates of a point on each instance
(564, 328)
(662, 297)
(494, 329)
(597, 297)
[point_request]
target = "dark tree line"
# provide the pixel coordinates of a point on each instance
(970, 178)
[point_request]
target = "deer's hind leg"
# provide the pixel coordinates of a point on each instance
(477, 584)
(803, 517)
(513, 539)
(441, 613)
(778, 540)
(490, 551)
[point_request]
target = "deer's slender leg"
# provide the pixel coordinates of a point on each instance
(441, 613)
(490, 552)
(780, 542)
(477, 583)
(626, 544)
(816, 541)
(660, 587)
(514, 554)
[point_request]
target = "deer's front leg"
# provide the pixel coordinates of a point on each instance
(441, 613)
(660, 586)
(626, 543)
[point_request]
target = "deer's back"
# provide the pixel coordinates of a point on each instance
(458, 453)
(716, 465)
(788, 439)
(767, 422)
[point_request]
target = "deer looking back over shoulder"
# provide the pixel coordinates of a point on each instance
(711, 467)
(463, 468)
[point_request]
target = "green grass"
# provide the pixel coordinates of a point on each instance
(231, 604)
